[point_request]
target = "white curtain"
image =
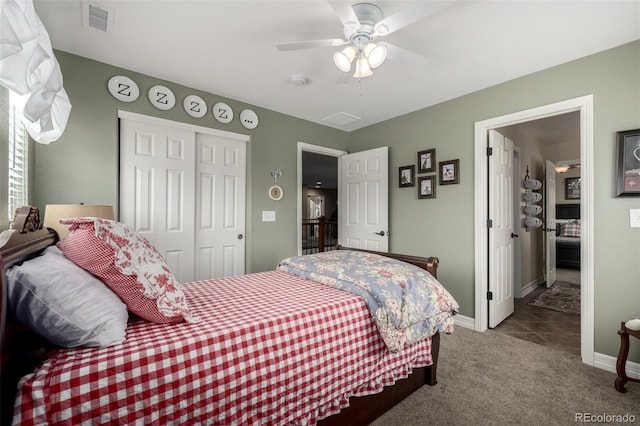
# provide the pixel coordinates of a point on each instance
(29, 68)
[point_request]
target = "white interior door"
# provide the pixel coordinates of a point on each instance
(157, 190)
(550, 223)
(363, 214)
(220, 206)
(502, 229)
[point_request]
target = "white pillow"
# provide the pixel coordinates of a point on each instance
(64, 303)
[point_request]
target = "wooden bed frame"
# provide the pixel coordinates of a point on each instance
(22, 350)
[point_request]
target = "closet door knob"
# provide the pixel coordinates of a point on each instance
(240, 236)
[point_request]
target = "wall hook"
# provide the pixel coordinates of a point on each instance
(275, 175)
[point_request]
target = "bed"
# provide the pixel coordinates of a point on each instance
(264, 348)
(568, 236)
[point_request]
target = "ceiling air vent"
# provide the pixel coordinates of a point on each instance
(341, 119)
(96, 17)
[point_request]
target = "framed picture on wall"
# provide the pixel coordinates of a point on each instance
(427, 187)
(449, 172)
(628, 173)
(572, 188)
(427, 161)
(407, 176)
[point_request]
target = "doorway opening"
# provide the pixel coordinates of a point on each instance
(318, 183)
(584, 106)
(546, 284)
(320, 210)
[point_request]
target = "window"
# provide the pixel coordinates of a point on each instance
(18, 147)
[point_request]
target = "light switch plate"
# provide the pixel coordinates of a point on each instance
(268, 216)
(634, 218)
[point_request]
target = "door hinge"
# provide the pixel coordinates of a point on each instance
(489, 223)
(489, 295)
(489, 151)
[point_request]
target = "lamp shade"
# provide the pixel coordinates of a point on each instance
(343, 59)
(54, 212)
(375, 54)
(362, 68)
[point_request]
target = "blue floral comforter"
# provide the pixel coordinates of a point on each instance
(407, 303)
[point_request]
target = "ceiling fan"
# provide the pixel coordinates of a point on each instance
(364, 23)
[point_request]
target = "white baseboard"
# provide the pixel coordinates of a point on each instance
(529, 287)
(607, 362)
(465, 322)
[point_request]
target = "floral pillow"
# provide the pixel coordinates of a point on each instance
(128, 264)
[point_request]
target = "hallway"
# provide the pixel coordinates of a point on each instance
(545, 326)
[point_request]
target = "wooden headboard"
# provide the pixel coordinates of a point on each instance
(20, 348)
(567, 211)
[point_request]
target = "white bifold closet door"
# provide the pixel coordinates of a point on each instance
(184, 191)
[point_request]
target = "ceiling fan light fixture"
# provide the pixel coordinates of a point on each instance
(343, 59)
(381, 29)
(376, 54)
(362, 68)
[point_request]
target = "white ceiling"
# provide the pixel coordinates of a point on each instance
(228, 48)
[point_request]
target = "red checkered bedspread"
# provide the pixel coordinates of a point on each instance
(270, 348)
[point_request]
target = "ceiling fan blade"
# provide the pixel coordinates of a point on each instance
(346, 14)
(398, 54)
(413, 13)
(296, 45)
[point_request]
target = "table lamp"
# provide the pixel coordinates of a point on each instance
(54, 212)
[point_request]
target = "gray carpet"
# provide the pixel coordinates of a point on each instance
(492, 378)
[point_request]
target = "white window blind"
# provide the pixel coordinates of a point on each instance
(18, 147)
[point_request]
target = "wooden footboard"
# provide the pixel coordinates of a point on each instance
(365, 409)
(428, 263)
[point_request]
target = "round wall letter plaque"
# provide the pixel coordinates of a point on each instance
(123, 88)
(162, 97)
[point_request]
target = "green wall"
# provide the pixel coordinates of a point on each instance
(82, 166)
(445, 226)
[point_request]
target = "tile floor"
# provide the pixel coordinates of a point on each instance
(545, 326)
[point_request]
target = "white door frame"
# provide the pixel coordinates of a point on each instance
(584, 105)
(180, 125)
(318, 150)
